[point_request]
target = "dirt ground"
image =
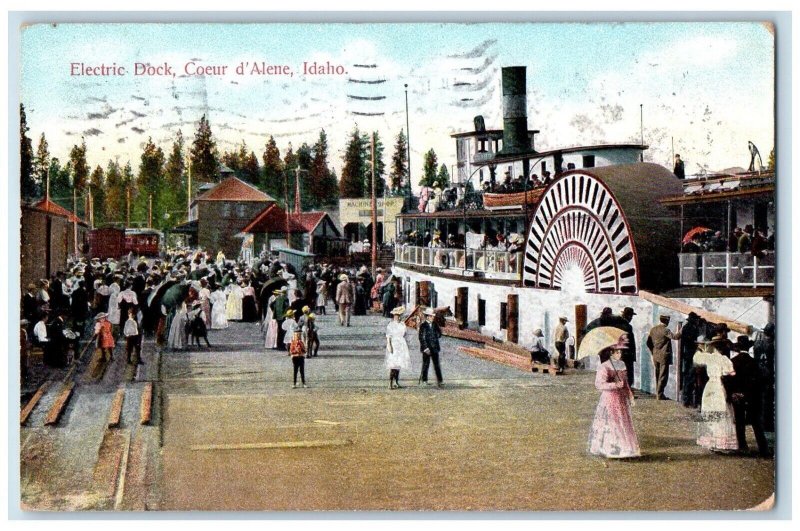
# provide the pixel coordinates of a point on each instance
(238, 437)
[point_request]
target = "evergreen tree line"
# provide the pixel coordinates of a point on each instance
(121, 195)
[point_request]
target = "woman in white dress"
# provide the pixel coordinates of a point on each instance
(397, 355)
(178, 336)
(234, 304)
(717, 429)
(271, 340)
(322, 296)
(219, 317)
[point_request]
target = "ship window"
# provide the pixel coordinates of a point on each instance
(503, 315)
(588, 161)
(481, 312)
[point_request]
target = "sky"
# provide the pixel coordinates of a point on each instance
(705, 89)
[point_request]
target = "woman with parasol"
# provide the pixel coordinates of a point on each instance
(612, 434)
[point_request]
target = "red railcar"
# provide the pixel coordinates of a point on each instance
(108, 242)
(113, 242)
(143, 242)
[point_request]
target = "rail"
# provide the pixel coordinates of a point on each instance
(489, 263)
(727, 269)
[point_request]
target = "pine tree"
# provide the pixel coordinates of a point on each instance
(149, 182)
(322, 180)
(129, 190)
(429, 169)
(304, 162)
(443, 179)
(60, 185)
(97, 185)
(80, 176)
(272, 172)
(287, 182)
(399, 172)
(380, 167)
(204, 157)
(41, 166)
(176, 180)
(771, 160)
(354, 169)
(28, 188)
(251, 171)
(115, 195)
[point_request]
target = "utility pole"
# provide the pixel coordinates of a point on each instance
(641, 130)
(75, 219)
(150, 211)
(189, 194)
(408, 146)
(128, 205)
(374, 212)
(91, 209)
(286, 204)
(297, 207)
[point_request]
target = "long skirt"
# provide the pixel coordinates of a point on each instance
(271, 340)
(612, 433)
(249, 310)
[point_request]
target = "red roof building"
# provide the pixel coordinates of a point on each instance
(312, 232)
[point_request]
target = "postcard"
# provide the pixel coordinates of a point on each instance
(397, 266)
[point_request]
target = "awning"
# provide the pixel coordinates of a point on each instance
(189, 227)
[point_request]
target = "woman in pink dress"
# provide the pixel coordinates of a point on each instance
(612, 433)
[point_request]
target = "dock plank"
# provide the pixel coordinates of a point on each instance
(146, 408)
(32, 403)
(60, 404)
(116, 408)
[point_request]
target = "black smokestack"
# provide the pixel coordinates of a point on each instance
(515, 117)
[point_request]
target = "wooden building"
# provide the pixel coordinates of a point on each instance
(48, 234)
(311, 232)
(217, 215)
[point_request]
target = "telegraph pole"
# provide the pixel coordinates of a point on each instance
(408, 146)
(286, 204)
(75, 220)
(373, 208)
(189, 194)
(150, 211)
(128, 205)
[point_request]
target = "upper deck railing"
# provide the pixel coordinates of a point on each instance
(488, 263)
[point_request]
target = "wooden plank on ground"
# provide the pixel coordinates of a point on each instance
(146, 408)
(60, 404)
(116, 408)
(272, 445)
(32, 403)
(109, 460)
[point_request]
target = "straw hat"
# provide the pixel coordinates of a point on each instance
(398, 310)
(342, 277)
(289, 313)
(101, 315)
(429, 311)
(306, 309)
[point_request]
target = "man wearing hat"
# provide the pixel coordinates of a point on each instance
(689, 334)
(560, 337)
(659, 341)
(279, 307)
(539, 353)
(747, 396)
(344, 298)
(429, 335)
(629, 353)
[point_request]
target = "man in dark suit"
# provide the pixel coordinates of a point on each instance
(659, 341)
(689, 334)
(746, 396)
(629, 354)
(429, 334)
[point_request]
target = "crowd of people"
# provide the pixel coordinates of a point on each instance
(731, 387)
(742, 240)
